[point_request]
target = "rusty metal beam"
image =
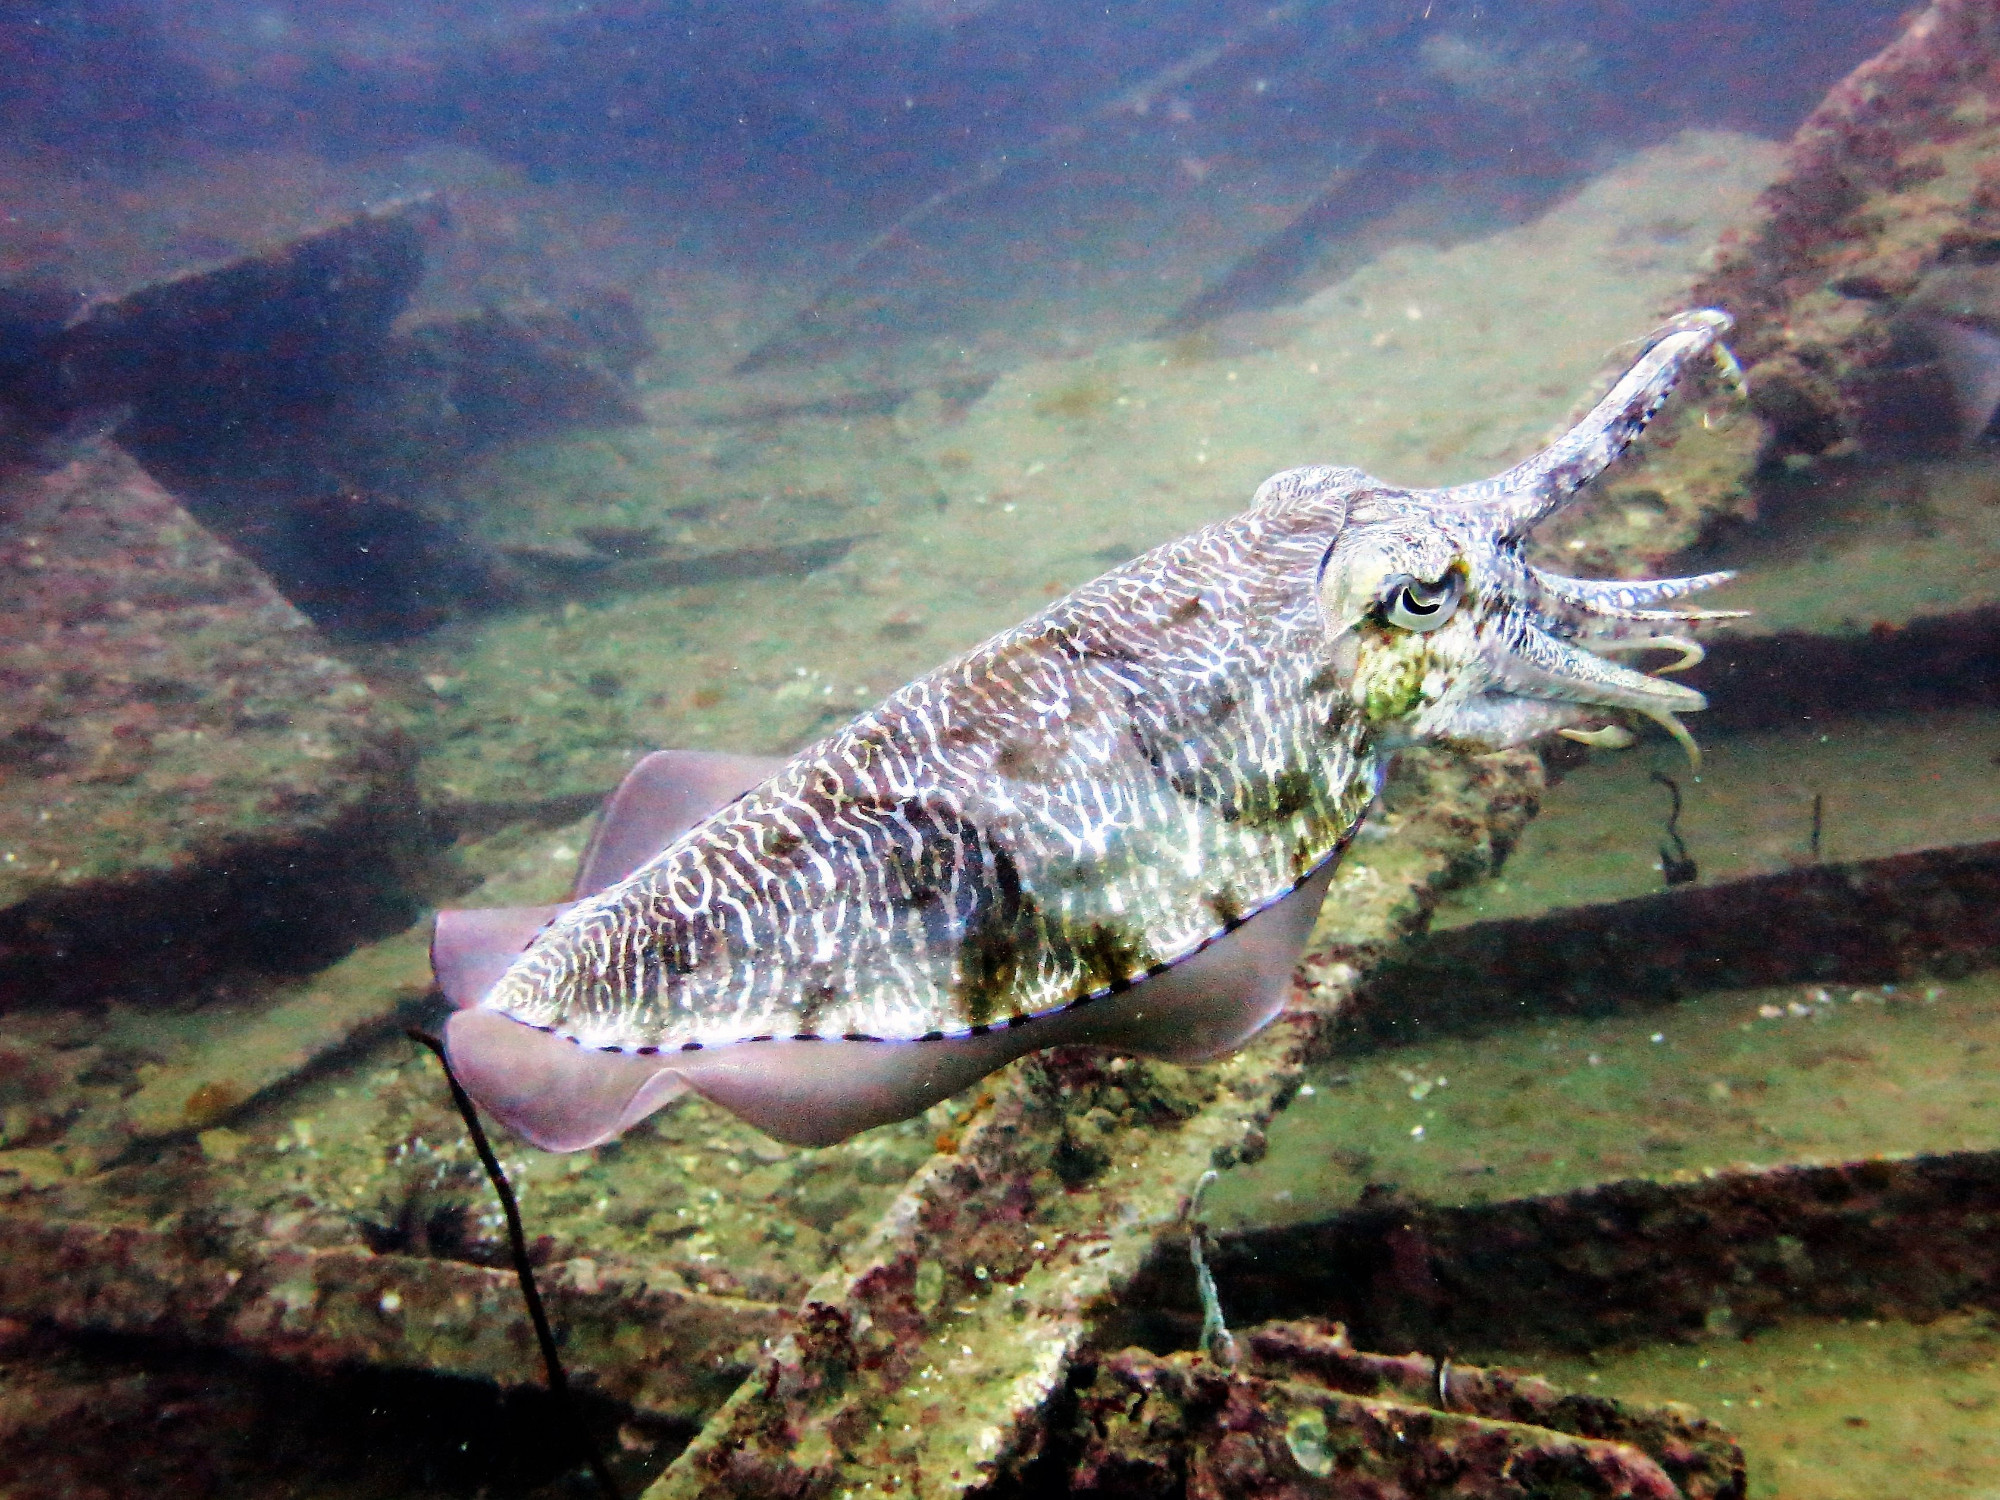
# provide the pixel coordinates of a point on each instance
(668, 1353)
(1626, 1262)
(1305, 1406)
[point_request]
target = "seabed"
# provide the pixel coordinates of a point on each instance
(1734, 1143)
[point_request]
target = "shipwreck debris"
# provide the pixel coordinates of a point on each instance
(205, 353)
(1859, 257)
(180, 761)
(333, 1307)
(1868, 920)
(1889, 1237)
(279, 398)
(1305, 1406)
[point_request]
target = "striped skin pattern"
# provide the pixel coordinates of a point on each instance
(1086, 798)
(1106, 789)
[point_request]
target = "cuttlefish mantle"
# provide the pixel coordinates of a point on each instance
(1112, 824)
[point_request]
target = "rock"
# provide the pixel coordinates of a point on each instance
(1889, 180)
(1306, 1407)
(278, 397)
(187, 781)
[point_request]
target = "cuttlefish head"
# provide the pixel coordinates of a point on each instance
(1450, 637)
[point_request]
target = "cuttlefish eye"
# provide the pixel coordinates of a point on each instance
(1412, 604)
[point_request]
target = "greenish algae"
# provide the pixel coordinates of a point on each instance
(1799, 1073)
(1887, 786)
(1826, 1410)
(1831, 1410)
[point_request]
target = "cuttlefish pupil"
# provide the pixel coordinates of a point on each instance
(1113, 824)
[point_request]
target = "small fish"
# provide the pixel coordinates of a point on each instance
(1937, 387)
(1113, 824)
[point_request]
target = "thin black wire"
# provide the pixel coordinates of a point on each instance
(517, 1246)
(1675, 864)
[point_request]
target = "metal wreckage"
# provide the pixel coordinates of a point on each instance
(1011, 1306)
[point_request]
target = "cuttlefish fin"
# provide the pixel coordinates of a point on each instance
(818, 1093)
(1971, 359)
(559, 1095)
(472, 948)
(1210, 1004)
(661, 798)
(564, 1097)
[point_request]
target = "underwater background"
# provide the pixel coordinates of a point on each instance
(410, 415)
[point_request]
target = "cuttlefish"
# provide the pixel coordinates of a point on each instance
(1113, 824)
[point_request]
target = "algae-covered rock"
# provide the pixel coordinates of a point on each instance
(1890, 179)
(180, 760)
(1306, 1414)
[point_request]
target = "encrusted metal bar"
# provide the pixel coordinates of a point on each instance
(1306, 1407)
(1924, 912)
(669, 1353)
(1880, 1237)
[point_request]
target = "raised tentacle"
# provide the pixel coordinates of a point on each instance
(1533, 490)
(1617, 594)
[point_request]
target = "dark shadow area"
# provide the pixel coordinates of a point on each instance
(97, 1414)
(1616, 1265)
(1936, 912)
(280, 907)
(283, 402)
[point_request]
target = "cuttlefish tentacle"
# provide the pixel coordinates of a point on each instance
(1622, 596)
(1542, 666)
(1610, 628)
(1545, 667)
(1532, 491)
(1599, 617)
(1693, 653)
(1113, 824)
